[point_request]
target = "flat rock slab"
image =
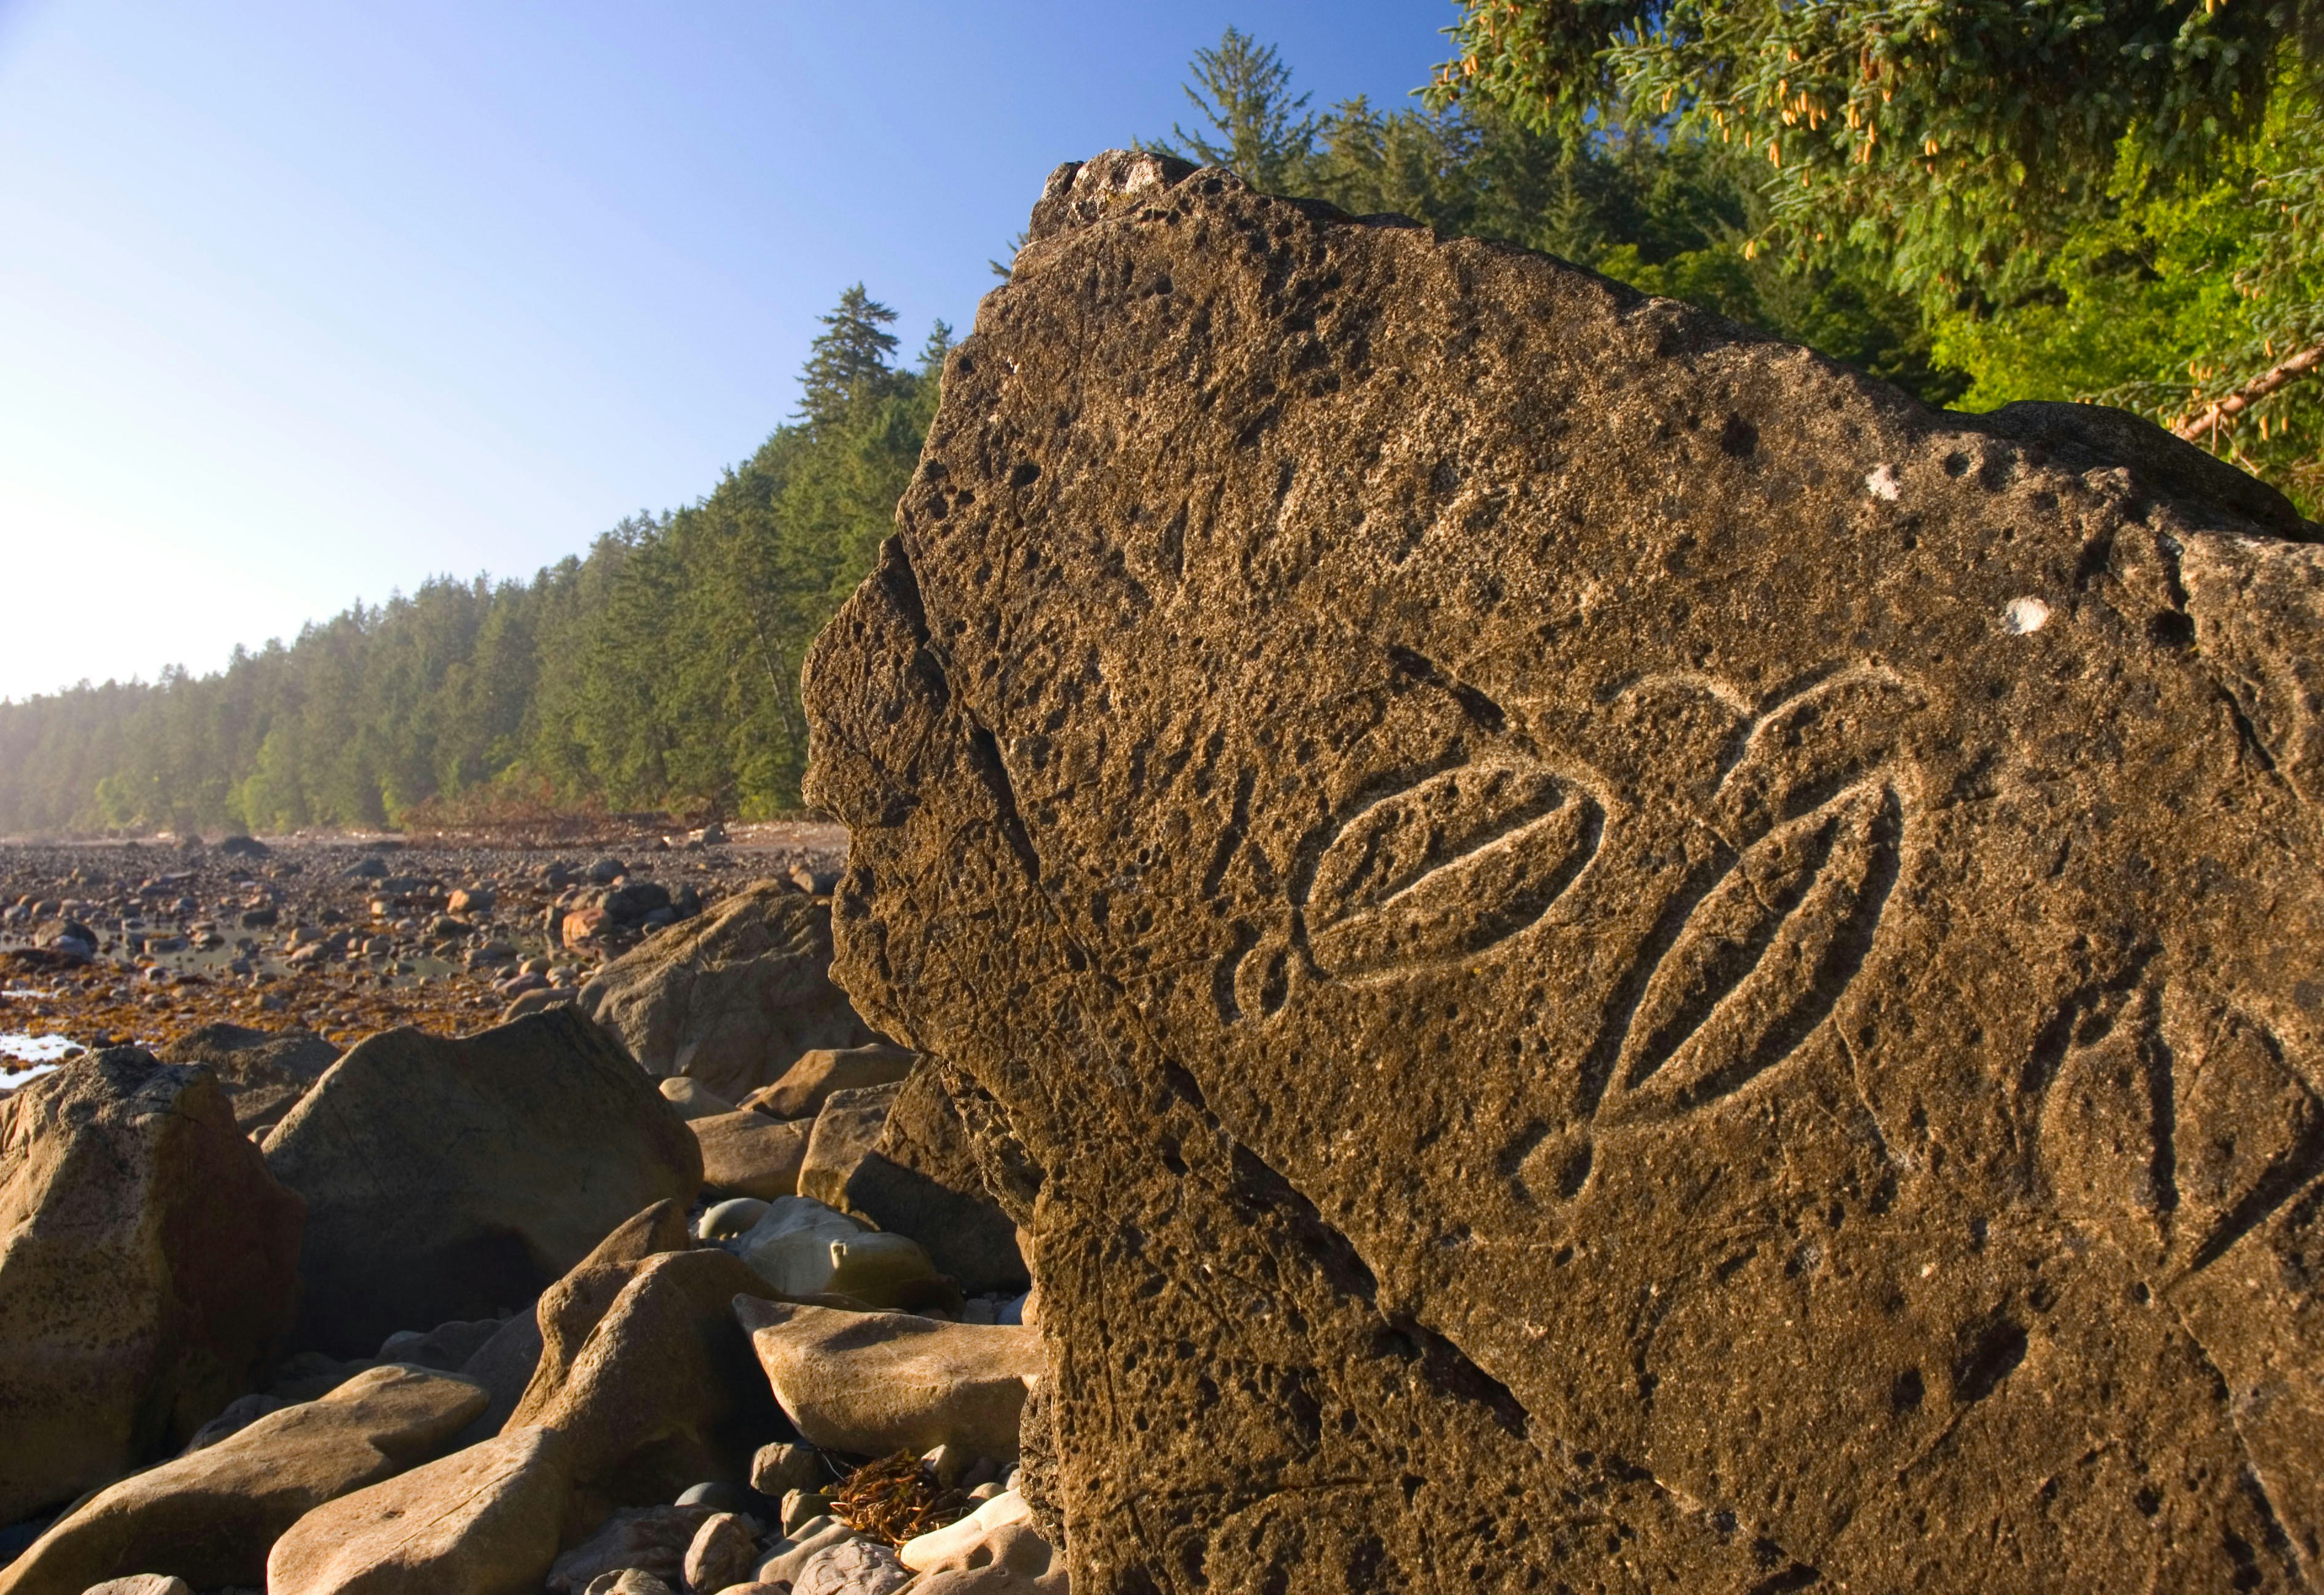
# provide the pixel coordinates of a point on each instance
(482, 1521)
(876, 1383)
(811, 1082)
(745, 1153)
(1625, 957)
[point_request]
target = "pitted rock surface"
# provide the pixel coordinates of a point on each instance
(1626, 960)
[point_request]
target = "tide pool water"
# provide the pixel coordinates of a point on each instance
(22, 1056)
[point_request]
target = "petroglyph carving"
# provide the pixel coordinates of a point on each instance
(2176, 1134)
(1697, 1229)
(1754, 950)
(1450, 865)
(2250, 1137)
(1447, 868)
(1764, 956)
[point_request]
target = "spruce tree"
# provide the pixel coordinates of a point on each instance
(849, 357)
(1243, 91)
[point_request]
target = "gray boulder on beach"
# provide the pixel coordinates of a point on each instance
(264, 1072)
(453, 1179)
(732, 998)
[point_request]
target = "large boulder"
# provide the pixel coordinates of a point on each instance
(147, 1265)
(733, 998)
(211, 1516)
(452, 1179)
(1627, 957)
(506, 1364)
(264, 1072)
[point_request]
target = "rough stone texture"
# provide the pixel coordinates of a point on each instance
(264, 1072)
(454, 1178)
(785, 1466)
(651, 1539)
(1632, 961)
(1010, 1560)
(633, 1580)
(210, 1517)
(853, 1567)
(723, 1552)
(652, 1379)
(482, 1521)
(805, 1541)
(146, 1266)
(733, 999)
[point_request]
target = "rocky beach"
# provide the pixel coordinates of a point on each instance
(115, 941)
(1479, 933)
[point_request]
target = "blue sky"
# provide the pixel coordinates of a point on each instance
(304, 302)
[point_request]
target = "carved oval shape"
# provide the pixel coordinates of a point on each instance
(2248, 1136)
(1447, 868)
(1807, 749)
(1763, 958)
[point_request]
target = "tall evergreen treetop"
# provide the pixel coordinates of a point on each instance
(939, 345)
(2113, 200)
(849, 357)
(1269, 133)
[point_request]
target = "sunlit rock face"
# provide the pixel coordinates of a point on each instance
(1605, 955)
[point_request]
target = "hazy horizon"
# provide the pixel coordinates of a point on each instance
(306, 309)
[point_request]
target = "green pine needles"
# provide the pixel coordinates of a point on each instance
(2113, 200)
